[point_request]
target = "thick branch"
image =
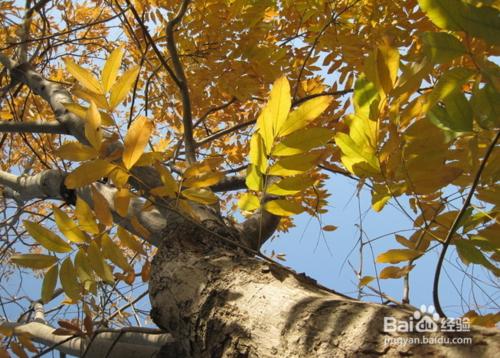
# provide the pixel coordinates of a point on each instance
(33, 127)
(131, 343)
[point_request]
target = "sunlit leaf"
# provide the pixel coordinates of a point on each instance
(202, 196)
(283, 207)
(122, 87)
(33, 261)
(294, 165)
(110, 70)
(85, 216)
(136, 140)
(303, 141)
(248, 202)
(75, 151)
(88, 173)
(398, 255)
(68, 227)
(395, 272)
(85, 77)
(46, 238)
(290, 185)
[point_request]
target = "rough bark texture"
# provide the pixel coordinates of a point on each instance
(219, 302)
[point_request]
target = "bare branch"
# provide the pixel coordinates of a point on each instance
(33, 127)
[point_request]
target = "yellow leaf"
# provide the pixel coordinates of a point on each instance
(110, 70)
(122, 87)
(248, 202)
(167, 179)
(136, 140)
(69, 283)
(81, 112)
(85, 216)
(85, 77)
(290, 186)
(303, 141)
(75, 151)
(129, 241)
(365, 280)
(357, 159)
(294, 165)
(119, 177)
(257, 152)
(329, 228)
(93, 126)
(305, 114)
(68, 227)
(101, 208)
(97, 262)
(87, 173)
(122, 200)
(275, 112)
(49, 283)
(254, 179)
(398, 255)
(88, 96)
(395, 272)
(114, 253)
(387, 66)
(139, 228)
(84, 269)
(202, 196)
(33, 261)
(46, 238)
(283, 207)
(209, 179)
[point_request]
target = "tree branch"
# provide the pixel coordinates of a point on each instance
(454, 226)
(33, 127)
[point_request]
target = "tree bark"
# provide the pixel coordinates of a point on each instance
(221, 302)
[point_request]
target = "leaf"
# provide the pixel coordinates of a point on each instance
(275, 112)
(455, 116)
(386, 66)
(46, 238)
(167, 179)
(450, 82)
(122, 201)
(460, 16)
(68, 227)
(209, 179)
(290, 185)
(85, 216)
(97, 262)
(81, 111)
(49, 284)
(114, 253)
(365, 280)
(84, 269)
(122, 87)
(202, 196)
(69, 283)
(398, 255)
(99, 99)
(486, 106)
(88, 173)
(85, 77)
(470, 254)
(257, 154)
(129, 241)
(248, 202)
(283, 207)
(294, 165)
(136, 140)
(18, 350)
(93, 126)
(442, 47)
(101, 208)
(305, 114)
(395, 272)
(26, 342)
(110, 70)
(329, 228)
(254, 180)
(365, 93)
(358, 160)
(75, 151)
(34, 261)
(303, 141)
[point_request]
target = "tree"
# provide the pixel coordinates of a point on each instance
(133, 133)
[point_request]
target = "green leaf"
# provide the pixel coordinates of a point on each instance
(358, 160)
(49, 283)
(450, 82)
(283, 207)
(442, 47)
(365, 93)
(290, 185)
(248, 202)
(470, 254)
(455, 116)
(457, 15)
(303, 141)
(486, 106)
(254, 179)
(33, 261)
(398, 255)
(46, 238)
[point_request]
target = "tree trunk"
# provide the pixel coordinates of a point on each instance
(220, 302)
